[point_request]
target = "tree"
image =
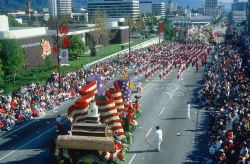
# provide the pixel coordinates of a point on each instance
(12, 56)
(169, 31)
(103, 34)
(141, 24)
(77, 47)
(13, 22)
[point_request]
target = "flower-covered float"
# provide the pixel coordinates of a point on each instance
(102, 122)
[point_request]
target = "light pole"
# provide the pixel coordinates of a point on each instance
(58, 57)
(128, 36)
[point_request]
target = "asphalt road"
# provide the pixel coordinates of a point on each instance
(163, 103)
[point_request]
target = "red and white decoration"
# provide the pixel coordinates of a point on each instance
(109, 114)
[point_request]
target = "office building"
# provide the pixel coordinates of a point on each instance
(158, 8)
(60, 8)
(248, 17)
(240, 6)
(53, 8)
(211, 8)
(114, 8)
(145, 7)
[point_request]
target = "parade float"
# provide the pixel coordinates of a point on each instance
(101, 124)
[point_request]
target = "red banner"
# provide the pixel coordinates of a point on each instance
(162, 24)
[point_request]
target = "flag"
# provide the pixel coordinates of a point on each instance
(124, 86)
(100, 83)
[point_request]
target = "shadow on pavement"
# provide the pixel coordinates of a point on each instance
(36, 138)
(175, 118)
(199, 154)
(142, 151)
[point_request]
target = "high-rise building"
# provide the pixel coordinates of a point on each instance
(60, 8)
(211, 8)
(248, 17)
(145, 7)
(53, 8)
(240, 6)
(114, 8)
(158, 8)
(64, 7)
(211, 3)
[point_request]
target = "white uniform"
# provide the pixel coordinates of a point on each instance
(158, 139)
(188, 111)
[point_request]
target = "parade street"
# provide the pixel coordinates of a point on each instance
(163, 103)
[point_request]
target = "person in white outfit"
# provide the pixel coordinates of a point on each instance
(158, 138)
(188, 111)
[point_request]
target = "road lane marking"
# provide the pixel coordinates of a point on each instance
(148, 132)
(17, 129)
(132, 159)
(20, 147)
(162, 110)
(174, 92)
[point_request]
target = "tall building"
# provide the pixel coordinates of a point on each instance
(248, 17)
(145, 7)
(114, 8)
(60, 8)
(211, 3)
(154, 7)
(53, 8)
(240, 6)
(64, 7)
(158, 8)
(211, 8)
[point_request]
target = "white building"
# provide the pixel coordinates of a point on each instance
(64, 7)
(114, 8)
(238, 17)
(18, 32)
(60, 8)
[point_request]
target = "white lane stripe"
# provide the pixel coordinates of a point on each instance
(149, 132)
(162, 111)
(174, 92)
(26, 143)
(17, 129)
(132, 159)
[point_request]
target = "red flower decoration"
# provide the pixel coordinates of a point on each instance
(55, 49)
(63, 29)
(120, 155)
(66, 42)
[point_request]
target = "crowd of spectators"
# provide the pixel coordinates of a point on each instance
(35, 99)
(226, 92)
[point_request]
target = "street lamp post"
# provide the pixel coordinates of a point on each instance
(128, 36)
(58, 56)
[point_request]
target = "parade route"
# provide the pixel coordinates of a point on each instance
(164, 104)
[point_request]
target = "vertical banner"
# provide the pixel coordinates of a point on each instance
(64, 56)
(162, 24)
